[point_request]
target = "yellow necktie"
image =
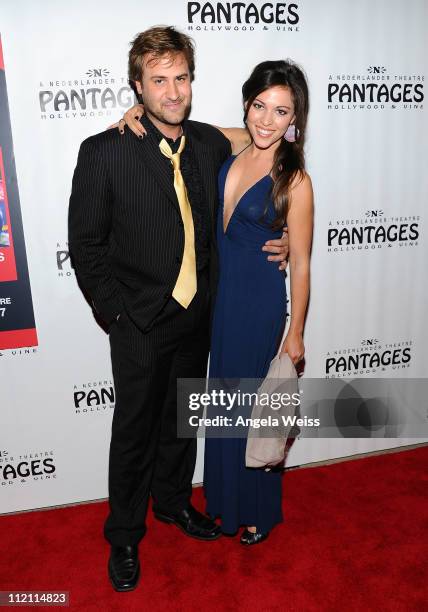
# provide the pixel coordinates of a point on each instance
(185, 287)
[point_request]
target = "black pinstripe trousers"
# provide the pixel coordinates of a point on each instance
(146, 456)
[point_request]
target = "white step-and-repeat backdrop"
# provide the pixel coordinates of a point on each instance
(65, 67)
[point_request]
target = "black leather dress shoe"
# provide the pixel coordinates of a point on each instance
(124, 567)
(248, 538)
(192, 523)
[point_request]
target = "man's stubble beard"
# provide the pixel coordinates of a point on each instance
(164, 119)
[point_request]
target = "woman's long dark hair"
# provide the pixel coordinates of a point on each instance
(289, 159)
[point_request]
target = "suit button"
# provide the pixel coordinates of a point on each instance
(167, 295)
(178, 259)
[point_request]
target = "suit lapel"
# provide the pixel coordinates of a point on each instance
(204, 159)
(149, 153)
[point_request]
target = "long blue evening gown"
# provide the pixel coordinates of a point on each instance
(248, 323)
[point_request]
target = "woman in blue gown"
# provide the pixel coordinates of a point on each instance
(261, 189)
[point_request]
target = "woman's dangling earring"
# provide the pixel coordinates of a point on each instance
(292, 133)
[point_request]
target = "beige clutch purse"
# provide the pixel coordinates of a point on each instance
(267, 437)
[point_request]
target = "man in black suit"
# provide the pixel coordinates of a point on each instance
(142, 239)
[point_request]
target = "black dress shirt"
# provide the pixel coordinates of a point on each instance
(192, 179)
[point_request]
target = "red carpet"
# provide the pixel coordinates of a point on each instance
(354, 539)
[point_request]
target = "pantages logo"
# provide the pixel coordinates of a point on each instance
(63, 262)
(370, 357)
(93, 397)
(374, 230)
(244, 16)
(95, 94)
(25, 467)
(375, 89)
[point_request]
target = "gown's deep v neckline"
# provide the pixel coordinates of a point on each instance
(241, 198)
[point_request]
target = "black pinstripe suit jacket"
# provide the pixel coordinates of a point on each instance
(126, 235)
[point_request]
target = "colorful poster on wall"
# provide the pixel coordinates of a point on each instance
(17, 326)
